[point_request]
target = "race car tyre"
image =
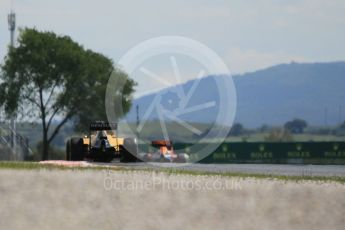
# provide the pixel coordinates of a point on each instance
(182, 158)
(76, 153)
(129, 150)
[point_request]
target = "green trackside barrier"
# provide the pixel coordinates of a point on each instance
(293, 152)
(267, 152)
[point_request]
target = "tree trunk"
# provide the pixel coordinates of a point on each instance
(45, 146)
(45, 143)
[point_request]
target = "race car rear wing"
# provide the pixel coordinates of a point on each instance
(98, 126)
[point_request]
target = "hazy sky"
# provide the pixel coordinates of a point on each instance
(247, 35)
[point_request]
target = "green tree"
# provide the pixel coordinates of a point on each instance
(296, 126)
(236, 130)
(342, 126)
(54, 79)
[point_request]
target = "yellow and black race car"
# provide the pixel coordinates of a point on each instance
(102, 145)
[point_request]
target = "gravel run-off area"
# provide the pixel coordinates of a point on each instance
(96, 199)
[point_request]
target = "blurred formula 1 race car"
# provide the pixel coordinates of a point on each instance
(165, 153)
(102, 145)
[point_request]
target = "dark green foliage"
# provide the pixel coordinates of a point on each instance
(54, 79)
(296, 126)
(236, 130)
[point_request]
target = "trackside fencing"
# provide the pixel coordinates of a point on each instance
(9, 151)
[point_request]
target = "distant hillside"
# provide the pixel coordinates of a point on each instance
(314, 92)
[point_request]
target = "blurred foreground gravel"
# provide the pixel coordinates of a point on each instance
(90, 199)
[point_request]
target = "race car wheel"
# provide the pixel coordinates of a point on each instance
(76, 153)
(129, 150)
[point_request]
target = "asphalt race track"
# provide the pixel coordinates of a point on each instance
(267, 169)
